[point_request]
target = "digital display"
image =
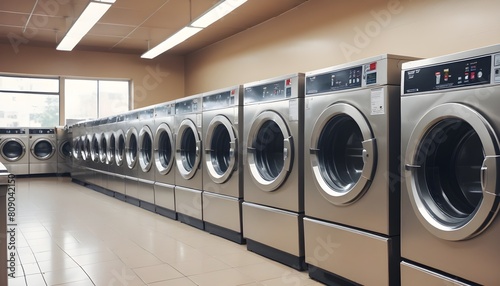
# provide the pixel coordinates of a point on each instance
(186, 106)
(218, 100)
(469, 72)
(337, 80)
(42, 131)
(12, 131)
(266, 92)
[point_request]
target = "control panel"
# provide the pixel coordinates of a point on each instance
(469, 72)
(335, 80)
(12, 131)
(42, 131)
(273, 90)
(147, 114)
(219, 100)
(187, 106)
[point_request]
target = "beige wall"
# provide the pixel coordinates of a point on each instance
(154, 81)
(321, 33)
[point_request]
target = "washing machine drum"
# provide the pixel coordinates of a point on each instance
(164, 149)
(42, 149)
(220, 149)
(131, 147)
(145, 149)
(451, 172)
(188, 152)
(270, 151)
(343, 154)
(66, 149)
(12, 150)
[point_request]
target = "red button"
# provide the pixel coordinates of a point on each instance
(288, 82)
(373, 66)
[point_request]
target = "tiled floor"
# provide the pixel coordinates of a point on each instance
(70, 235)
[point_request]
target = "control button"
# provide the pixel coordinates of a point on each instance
(479, 74)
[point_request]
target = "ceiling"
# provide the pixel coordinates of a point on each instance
(129, 26)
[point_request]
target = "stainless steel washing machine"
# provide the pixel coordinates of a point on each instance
(77, 170)
(102, 166)
(451, 157)
(86, 154)
(94, 176)
(64, 149)
(131, 172)
(188, 171)
(164, 159)
(273, 207)
(119, 167)
(352, 124)
(223, 167)
(14, 144)
(43, 151)
(146, 175)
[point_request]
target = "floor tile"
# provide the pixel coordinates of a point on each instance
(157, 273)
(199, 266)
(62, 276)
(174, 282)
(96, 257)
(142, 260)
(226, 277)
(265, 271)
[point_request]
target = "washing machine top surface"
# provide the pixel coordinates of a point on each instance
(467, 69)
(274, 89)
(222, 98)
(9, 131)
(164, 109)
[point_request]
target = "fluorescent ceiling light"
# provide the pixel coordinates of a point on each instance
(92, 13)
(217, 13)
(171, 42)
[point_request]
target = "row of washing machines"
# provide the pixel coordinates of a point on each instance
(34, 151)
(381, 171)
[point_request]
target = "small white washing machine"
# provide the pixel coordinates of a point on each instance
(43, 151)
(450, 143)
(222, 159)
(14, 146)
(64, 149)
(131, 170)
(352, 131)
(146, 174)
(164, 159)
(188, 171)
(273, 207)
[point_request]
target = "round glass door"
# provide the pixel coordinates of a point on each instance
(12, 150)
(120, 148)
(451, 170)
(86, 147)
(43, 149)
(270, 151)
(145, 149)
(343, 154)
(65, 150)
(131, 147)
(103, 147)
(110, 152)
(94, 149)
(164, 149)
(188, 153)
(76, 148)
(220, 149)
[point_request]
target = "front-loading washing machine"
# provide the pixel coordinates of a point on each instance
(14, 144)
(273, 207)
(77, 171)
(131, 172)
(119, 166)
(451, 157)
(94, 176)
(164, 159)
(43, 151)
(146, 175)
(352, 131)
(86, 151)
(223, 168)
(188, 171)
(64, 149)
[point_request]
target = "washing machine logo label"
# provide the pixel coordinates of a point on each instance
(411, 74)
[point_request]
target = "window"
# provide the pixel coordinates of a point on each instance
(87, 99)
(29, 101)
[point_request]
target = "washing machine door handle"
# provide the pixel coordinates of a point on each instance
(287, 152)
(369, 160)
(198, 148)
(232, 148)
(489, 178)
